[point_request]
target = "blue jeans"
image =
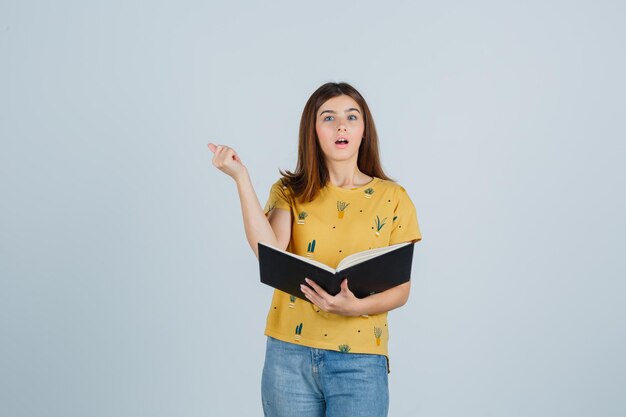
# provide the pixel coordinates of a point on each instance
(306, 382)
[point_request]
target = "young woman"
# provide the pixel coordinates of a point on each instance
(328, 357)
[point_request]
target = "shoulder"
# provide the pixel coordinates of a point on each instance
(281, 184)
(391, 186)
(397, 193)
(281, 189)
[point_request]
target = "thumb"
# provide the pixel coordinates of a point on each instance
(344, 286)
(212, 147)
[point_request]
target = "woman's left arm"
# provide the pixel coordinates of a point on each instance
(346, 303)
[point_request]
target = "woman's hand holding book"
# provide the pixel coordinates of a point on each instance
(344, 303)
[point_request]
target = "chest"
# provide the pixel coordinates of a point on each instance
(335, 225)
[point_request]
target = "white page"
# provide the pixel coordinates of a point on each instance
(359, 257)
(349, 260)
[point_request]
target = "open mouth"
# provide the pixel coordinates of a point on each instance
(341, 141)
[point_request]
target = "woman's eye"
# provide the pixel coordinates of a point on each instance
(328, 118)
(352, 117)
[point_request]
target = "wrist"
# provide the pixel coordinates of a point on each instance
(358, 308)
(241, 177)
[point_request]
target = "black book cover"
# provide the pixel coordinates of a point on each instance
(286, 272)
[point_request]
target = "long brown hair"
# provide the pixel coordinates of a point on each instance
(311, 172)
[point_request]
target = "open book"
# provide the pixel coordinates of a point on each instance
(368, 272)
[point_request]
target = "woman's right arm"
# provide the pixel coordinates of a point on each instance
(275, 229)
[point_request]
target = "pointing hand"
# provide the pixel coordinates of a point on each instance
(226, 160)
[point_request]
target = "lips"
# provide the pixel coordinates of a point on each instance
(341, 140)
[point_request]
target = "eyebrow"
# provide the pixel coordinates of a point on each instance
(347, 111)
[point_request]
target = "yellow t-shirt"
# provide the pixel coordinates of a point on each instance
(337, 223)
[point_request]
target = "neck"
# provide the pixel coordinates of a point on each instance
(347, 175)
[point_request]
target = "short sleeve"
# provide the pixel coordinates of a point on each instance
(405, 226)
(279, 198)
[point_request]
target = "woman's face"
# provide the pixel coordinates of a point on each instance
(339, 125)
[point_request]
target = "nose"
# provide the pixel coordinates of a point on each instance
(341, 127)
